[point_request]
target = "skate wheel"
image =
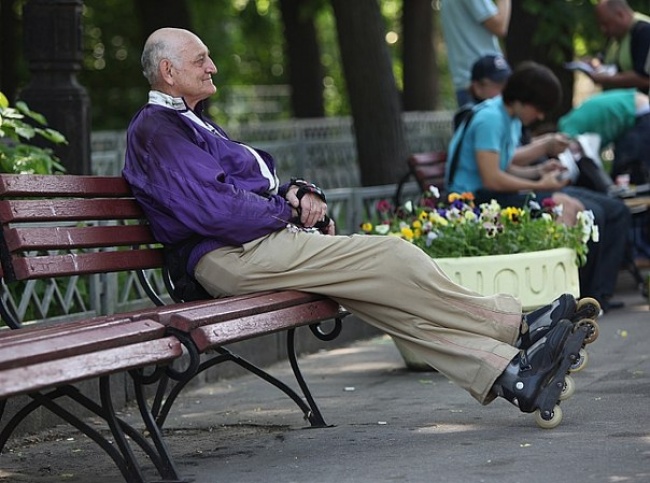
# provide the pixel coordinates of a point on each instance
(588, 308)
(569, 388)
(581, 362)
(552, 422)
(593, 329)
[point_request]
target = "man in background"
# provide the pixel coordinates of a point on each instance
(628, 34)
(472, 29)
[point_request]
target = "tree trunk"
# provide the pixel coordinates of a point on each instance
(10, 50)
(155, 14)
(305, 69)
(419, 56)
(374, 99)
(520, 46)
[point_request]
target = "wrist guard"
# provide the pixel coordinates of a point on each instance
(305, 187)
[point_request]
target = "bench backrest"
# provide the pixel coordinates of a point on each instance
(428, 169)
(64, 225)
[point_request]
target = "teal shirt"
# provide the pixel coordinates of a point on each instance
(490, 129)
(608, 114)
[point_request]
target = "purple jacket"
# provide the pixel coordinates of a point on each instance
(191, 181)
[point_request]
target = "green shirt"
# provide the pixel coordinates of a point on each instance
(608, 114)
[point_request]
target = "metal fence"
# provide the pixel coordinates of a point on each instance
(323, 149)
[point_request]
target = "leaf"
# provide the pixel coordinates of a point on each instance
(53, 135)
(22, 107)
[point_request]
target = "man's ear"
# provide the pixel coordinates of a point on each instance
(165, 67)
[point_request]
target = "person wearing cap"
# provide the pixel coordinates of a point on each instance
(471, 30)
(489, 76)
(482, 151)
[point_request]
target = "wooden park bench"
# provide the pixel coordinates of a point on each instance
(57, 227)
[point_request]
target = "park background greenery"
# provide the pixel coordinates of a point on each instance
(252, 40)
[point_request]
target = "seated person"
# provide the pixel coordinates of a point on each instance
(221, 202)
(620, 117)
(489, 76)
(486, 147)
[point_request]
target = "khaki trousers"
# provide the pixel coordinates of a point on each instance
(389, 283)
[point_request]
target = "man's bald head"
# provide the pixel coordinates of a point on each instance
(164, 43)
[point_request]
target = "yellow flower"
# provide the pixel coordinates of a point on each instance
(417, 224)
(407, 233)
(435, 217)
(512, 213)
(367, 227)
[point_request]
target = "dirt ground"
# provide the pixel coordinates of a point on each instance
(65, 455)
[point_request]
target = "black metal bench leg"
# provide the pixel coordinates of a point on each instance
(315, 417)
(167, 468)
(117, 430)
(226, 355)
(115, 455)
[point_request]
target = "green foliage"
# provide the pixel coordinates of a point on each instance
(577, 16)
(16, 154)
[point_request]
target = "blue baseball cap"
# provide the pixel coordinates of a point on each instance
(493, 67)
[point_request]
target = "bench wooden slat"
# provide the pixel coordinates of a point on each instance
(81, 186)
(234, 308)
(60, 237)
(60, 210)
(428, 168)
(241, 328)
(37, 331)
(86, 263)
(66, 343)
(69, 370)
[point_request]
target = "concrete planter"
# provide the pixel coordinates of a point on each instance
(535, 278)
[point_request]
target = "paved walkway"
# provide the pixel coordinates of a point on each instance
(391, 425)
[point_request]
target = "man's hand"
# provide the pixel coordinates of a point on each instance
(555, 143)
(552, 181)
(311, 208)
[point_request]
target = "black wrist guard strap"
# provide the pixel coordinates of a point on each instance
(304, 187)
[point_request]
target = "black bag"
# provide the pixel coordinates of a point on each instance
(593, 176)
(185, 287)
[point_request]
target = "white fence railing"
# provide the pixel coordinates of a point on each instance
(323, 150)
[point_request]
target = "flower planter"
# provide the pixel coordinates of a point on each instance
(535, 278)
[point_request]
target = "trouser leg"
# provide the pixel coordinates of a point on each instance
(598, 277)
(390, 284)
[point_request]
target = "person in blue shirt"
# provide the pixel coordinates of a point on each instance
(472, 29)
(484, 147)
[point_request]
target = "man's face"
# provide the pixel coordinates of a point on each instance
(192, 72)
(528, 114)
(611, 22)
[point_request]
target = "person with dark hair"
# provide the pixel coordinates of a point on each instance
(481, 156)
(628, 35)
(489, 76)
(247, 232)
